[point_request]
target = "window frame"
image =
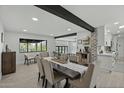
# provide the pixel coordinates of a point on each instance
(45, 45)
(20, 49)
(40, 47)
(29, 41)
(35, 47)
(60, 48)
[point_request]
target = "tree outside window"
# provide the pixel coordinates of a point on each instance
(44, 45)
(31, 45)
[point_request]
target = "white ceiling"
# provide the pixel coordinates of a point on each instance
(16, 18)
(99, 15)
(71, 38)
(115, 28)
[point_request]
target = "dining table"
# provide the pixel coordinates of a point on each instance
(70, 70)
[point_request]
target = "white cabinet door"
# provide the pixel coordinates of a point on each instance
(104, 38)
(108, 39)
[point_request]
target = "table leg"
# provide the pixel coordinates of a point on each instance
(95, 86)
(38, 76)
(27, 62)
(67, 85)
(46, 83)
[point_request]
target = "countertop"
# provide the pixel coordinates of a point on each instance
(105, 54)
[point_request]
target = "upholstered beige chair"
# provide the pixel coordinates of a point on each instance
(73, 58)
(64, 58)
(51, 76)
(84, 81)
(27, 60)
(44, 54)
(41, 74)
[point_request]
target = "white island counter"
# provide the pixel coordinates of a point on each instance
(105, 54)
(104, 58)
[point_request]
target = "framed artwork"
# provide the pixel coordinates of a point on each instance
(79, 41)
(86, 41)
(2, 37)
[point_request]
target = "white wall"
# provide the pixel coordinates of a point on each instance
(114, 42)
(61, 43)
(12, 39)
(100, 35)
(72, 45)
(1, 47)
(82, 36)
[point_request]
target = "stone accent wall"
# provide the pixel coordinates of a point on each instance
(94, 46)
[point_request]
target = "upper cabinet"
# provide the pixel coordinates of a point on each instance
(108, 38)
(104, 36)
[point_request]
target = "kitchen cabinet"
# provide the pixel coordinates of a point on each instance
(108, 38)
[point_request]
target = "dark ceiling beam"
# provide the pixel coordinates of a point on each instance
(67, 35)
(65, 14)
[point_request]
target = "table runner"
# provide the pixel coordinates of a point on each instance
(73, 66)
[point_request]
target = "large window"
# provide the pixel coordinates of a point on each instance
(44, 45)
(39, 46)
(30, 45)
(23, 46)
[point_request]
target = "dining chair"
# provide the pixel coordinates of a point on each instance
(73, 58)
(63, 57)
(51, 76)
(85, 80)
(26, 59)
(44, 54)
(41, 74)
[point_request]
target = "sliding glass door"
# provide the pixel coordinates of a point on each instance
(62, 49)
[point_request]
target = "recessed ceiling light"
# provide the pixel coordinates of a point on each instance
(34, 19)
(118, 31)
(24, 30)
(116, 23)
(69, 29)
(108, 31)
(121, 26)
(51, 34)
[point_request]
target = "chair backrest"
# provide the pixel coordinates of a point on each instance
(73, 58)
(40, 66)
(25, 56)
(48, 69)
(86, 79)
(44, 54)
(64, 57)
